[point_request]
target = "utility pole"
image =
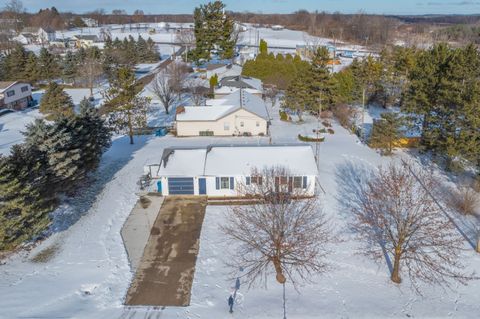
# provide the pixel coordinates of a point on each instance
(363, 115)
(317, 142)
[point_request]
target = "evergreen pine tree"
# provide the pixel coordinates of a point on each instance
(386, 131)
(126, 110)
(69, 69)
(55, 102)
(15, 62)
(32, 71)
(48, 65)
(25, 196)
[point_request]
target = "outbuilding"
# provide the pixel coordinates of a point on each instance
(218, 170)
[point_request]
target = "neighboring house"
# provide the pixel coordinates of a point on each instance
(222, 70)
(239, 113)
(219, 171)
(231, 84)
(15, 95)
(89, 22)
(85, 41)
(61, 44)
(41, 36)
(24, 38)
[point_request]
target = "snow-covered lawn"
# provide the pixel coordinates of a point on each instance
(88, 273)
(11, 126)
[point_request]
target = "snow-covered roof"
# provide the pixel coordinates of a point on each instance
(219, 108)
(243, 82)
(205, 113)
(234, 160)
(298, 159)
(182, 162)
(245, 100)
(229, 90)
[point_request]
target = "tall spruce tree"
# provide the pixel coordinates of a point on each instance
(48, 65)
(386, 132)
(69, 68)
(32, 71)
(55, 102)
(214, 30)
(126, 110)
(25, 196)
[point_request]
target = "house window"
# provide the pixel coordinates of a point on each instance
(256, 180)
(206, 133)
(226, 126)
(10, 93)
(224, 182)
(258, 123)
(297, 182)
(25, 88)
(242, 124)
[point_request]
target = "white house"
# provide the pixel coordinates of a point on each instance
(239, 113)
(15, 95)
(85, 40)
(220, 171)
(222, 70)
(231, 84)
(41, 36)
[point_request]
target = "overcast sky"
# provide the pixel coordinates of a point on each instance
(265, 6)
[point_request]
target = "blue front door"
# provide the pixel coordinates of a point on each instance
(202, 186)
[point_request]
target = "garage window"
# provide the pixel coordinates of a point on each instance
(226, 126)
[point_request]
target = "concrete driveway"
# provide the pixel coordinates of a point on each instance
(165, 273)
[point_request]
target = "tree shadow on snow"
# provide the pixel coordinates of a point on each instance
(113, 160)
(351, 179)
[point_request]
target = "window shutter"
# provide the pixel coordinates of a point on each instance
(217, 182)
(247, 180)
(290, 184)
(232, 182)
(304, 182)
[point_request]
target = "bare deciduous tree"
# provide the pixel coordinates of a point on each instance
(186, 38)
(271, 93)
(282, 232)
(397, 219)
(90, 71)
(168, 84)
(197, 91)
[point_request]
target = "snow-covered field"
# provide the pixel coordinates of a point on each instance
(88, 273)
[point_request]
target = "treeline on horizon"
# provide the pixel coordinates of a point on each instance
(361, 28)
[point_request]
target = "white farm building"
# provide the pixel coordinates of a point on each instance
(239, 113)
(216, 171)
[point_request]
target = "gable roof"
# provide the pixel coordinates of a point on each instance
(6, 84)
(219, 108)
(242, 82)
(90, 37)
(234, 160)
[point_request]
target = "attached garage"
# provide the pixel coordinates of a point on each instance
(218, 170)
(180, 186)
